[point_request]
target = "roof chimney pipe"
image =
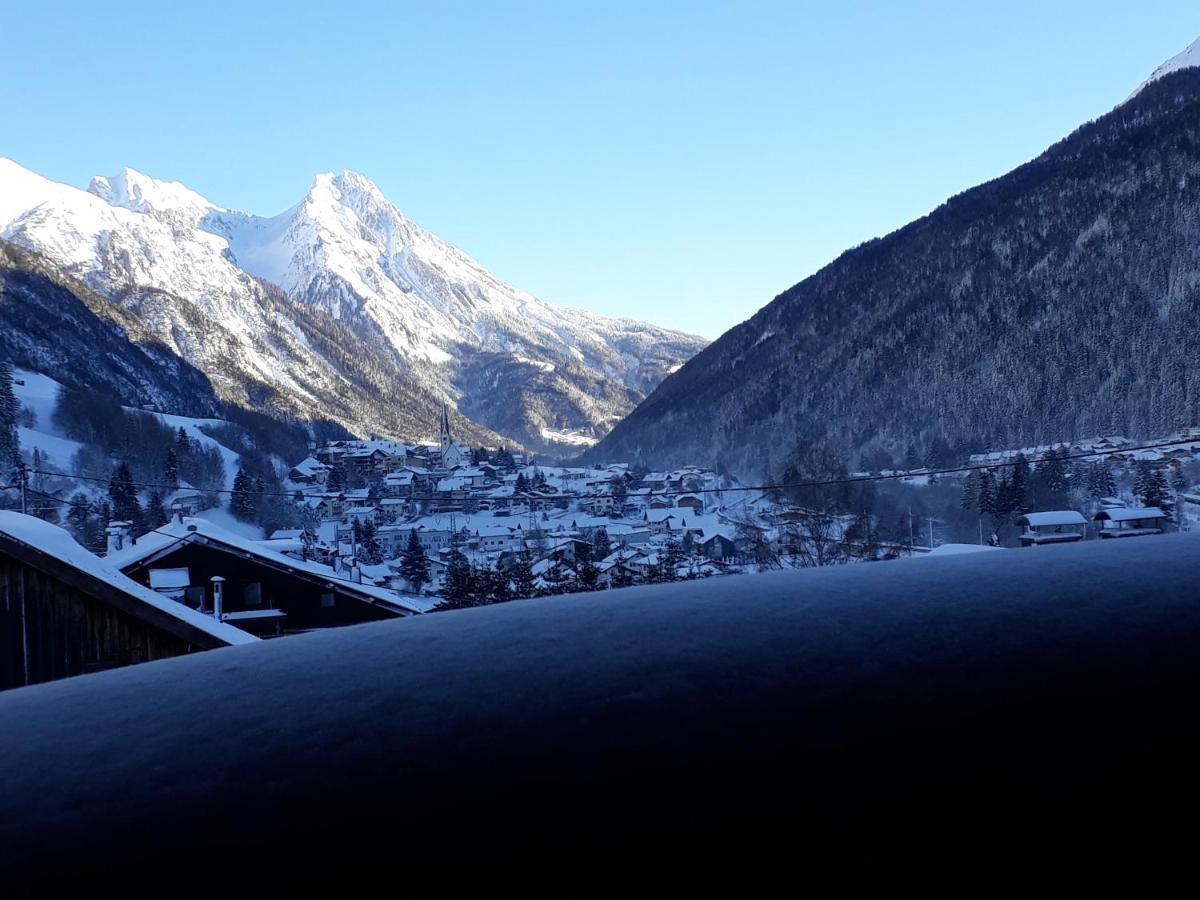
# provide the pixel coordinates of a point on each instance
(218, 584)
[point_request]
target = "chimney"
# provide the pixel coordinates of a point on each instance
(118, 535)
(218, 584)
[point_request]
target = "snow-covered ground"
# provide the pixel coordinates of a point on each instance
(39, 393)
(785, 670)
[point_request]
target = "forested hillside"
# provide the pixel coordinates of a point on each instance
(1060, 300)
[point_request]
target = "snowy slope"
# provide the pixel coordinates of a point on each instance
(360, 282)
(39, 394)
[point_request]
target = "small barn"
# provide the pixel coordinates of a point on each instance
(1130, 521)
(64, 611)
(263, 590)
(1061, 526)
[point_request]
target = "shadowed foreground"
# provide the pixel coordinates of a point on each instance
(1021, 719)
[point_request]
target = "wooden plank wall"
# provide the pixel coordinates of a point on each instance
(51, 630)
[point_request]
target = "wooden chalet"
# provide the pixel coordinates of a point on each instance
(64, 611)
(263, 591)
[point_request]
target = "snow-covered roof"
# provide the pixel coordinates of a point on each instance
(1130, 514)
(58, 544)
(194, 529)
(1051, 518)
(958, 549)
(310, 466)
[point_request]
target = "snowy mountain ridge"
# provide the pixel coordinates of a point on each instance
(1187, 59)
(519, 368)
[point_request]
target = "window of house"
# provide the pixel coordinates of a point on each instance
(328, 601)
(194, 597)
(252, 594)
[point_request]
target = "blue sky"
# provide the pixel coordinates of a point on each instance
(678, 162)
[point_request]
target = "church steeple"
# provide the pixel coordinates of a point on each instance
(444, 435)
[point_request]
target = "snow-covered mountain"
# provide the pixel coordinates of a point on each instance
(352, 268)
(1188, 59)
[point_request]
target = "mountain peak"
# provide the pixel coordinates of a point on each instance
(134, 190)
(1189, 58)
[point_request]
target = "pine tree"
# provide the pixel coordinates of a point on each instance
(522, 484)
(414, 567)
(183, 442)
(171, 468)
(1100, 481)
(586, 573)
(371, 552)
(124, 499)
(10, 409)
(988, 503)
(458, 590)
(1178, 481)
(523, 582)
(970, 491)
(601, 545)
(1150, 486)
(242, 502)
(79, 514)
(336, 479)
(912, 459)
(156, 514)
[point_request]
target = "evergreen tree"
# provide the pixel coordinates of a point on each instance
(171, 468)
(601, 545)
(369, 550)
(97, 536)
(523, 582)
(1150, 486)
(10, 409)
(458, 591)
(1100, 480)
(1012, 496)
(242, 502)
(156, 513)
(492, 586)
(970, 491)
(414, 567)
(1049, 484)
(620, 491)
(522, 484)
(586, 573)
(183, 442)
(124, 499)
(1178, 481)
(912, 459)
(336, 479)
(79, 510)
(989, 499)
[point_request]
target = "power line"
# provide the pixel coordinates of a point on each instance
(856, 479)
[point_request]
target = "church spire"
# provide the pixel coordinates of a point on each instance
(444, 434)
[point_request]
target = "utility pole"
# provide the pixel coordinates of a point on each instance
(931, 534)
(910, 532)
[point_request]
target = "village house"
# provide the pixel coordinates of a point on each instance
(260, 590)
(64, 611)
(309, 471)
